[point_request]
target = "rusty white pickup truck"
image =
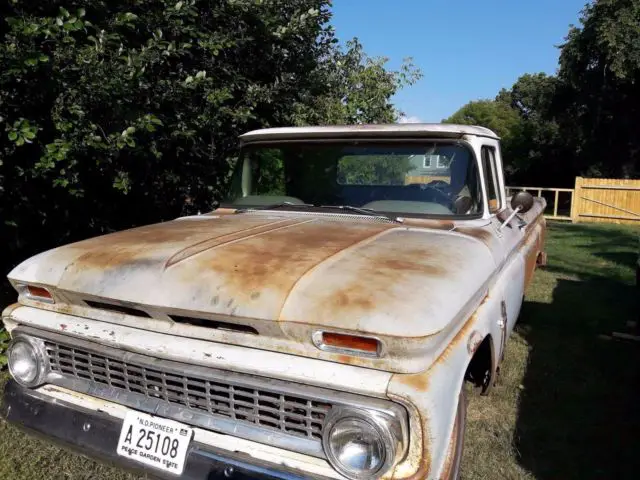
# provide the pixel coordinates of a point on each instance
(320, 323)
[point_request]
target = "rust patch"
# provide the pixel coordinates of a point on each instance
(460, 336)
(142, 246)
(345, 359)
(449, 460)
(204, 245)
(63, 326)
(482, 234)
(396, 267)
(63, 308)
(530, 266)
(531, 257)
(474, 342)
(420, 381)
(223, 211)
(276, 260)
(429, 223)
(425, 461)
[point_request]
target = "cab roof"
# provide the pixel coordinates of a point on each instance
(414, 130)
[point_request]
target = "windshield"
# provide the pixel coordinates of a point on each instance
(433, 179)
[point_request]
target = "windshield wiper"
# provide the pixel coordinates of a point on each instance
(349, 208)
(362, 211)
(273, 206)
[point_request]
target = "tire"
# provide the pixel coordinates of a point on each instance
(451, 470)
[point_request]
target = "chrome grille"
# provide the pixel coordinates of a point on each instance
(290, 414)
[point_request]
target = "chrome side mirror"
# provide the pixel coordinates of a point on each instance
(522, 201)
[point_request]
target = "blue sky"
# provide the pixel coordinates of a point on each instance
(466, 49)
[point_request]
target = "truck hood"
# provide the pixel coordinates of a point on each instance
(351, 274)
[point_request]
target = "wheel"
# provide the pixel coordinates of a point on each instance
(451, 469)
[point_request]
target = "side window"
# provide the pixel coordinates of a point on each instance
(491, 178)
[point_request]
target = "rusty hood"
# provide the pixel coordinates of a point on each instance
(350, 274)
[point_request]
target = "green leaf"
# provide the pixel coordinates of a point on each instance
(20, 141)
(81, 12)
(13, 135)
(43, 58)
(30, 135)
(31, 62)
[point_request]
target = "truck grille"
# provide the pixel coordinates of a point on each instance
(290, 414)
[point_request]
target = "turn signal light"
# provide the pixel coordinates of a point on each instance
(33, 292)
(348, 343)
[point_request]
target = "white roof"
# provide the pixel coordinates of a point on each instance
(442, 130)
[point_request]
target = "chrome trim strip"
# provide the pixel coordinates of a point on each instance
(160, 407)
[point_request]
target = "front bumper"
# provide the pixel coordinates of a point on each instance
(95, 434)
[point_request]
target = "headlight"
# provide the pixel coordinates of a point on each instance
(26, 359)
(361, 444)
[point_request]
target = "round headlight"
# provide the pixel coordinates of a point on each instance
(359, 444)
(26, 362)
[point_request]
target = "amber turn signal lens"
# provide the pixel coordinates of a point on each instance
(39, 293)
(350, 342)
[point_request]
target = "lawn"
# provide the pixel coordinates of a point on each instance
(566, 404)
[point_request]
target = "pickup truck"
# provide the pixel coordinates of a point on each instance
(320, 323)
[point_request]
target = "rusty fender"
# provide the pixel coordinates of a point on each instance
(431, 397)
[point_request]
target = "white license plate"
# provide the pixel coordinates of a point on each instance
(155, 441)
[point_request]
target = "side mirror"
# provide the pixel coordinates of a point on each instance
(523, 200)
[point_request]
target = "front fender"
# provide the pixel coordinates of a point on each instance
(432, 396)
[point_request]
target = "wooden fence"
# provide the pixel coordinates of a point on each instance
(606, 200)
(559, 200)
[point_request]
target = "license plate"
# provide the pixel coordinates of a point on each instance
(155, 441)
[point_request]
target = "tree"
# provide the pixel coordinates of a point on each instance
(584, 120)
(356, 88)
(600, 67)
(498, 116)
(115, 114)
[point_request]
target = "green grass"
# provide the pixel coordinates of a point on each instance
(565, 405)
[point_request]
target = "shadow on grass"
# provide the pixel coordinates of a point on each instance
(579, 412)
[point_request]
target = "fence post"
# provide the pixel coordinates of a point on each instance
(575, 200)
(555, 205)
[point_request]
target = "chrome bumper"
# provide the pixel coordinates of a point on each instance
(96, 435)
